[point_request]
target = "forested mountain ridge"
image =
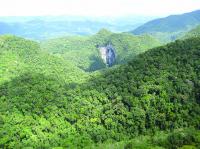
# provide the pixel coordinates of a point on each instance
(84, 51)
(170, 28)
(171, 23)
(18, 56)
(157, 90)
(193, 33)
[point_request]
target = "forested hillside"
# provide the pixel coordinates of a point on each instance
(170, 28)
(19, 56)
(46, 104)
(172, 23)
(84, 52)
(193, 33)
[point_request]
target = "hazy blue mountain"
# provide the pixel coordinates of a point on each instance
(5, 28)
(171, 23)
(170, 28)
(43, 27)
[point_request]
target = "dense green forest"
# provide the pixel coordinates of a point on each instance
(84, 52)
(18, 56)
(150, 102)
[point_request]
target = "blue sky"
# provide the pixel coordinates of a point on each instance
(96, 7)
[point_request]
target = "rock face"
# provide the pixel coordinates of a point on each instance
(108, 54)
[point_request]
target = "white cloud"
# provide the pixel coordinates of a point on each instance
(96, 7)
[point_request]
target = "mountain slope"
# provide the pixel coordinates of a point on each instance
(169, 24)
(170, 28)
(158, 90)
(84, 51)
(193, 33)
(18, 56)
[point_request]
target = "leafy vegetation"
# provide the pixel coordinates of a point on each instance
(47, 102)
(18, 56)
(180, 138)
(193, 33)
(84, 52)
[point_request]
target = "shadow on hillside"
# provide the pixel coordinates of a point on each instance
(97, 64)
(32, 93)
(132, 80)
(157, 91)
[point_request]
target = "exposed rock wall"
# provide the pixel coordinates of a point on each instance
(108, 54)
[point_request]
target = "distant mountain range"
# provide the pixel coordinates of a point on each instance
(171, 23)
(56, 26)
(44, 27)
(170, 28)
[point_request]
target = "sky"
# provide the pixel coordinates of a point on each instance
(96, 7)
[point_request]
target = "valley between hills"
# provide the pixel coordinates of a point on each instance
(137, 89)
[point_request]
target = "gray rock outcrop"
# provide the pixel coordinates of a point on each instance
(108, 54)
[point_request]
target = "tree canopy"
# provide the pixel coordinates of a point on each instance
(47, 102)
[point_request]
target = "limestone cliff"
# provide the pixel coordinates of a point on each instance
(108, 54)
